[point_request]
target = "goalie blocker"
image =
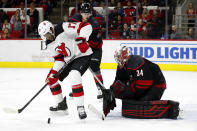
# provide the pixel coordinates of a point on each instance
(150, 109)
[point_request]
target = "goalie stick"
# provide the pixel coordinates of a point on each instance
(12, 110)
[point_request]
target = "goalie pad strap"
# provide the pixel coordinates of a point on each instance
(150, 109)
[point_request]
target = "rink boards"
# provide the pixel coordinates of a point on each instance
(170, 55)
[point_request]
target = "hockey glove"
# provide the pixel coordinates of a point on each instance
(82, 44)
(109, 101)
(51, 79)
(118, 88)
(62, 50)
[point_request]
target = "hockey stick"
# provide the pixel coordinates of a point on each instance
(102, 86)
(103, 89)
(95, 111)
(11, 110)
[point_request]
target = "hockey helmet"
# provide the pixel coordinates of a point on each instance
(45, 27)
(85, 8)
(121, 55)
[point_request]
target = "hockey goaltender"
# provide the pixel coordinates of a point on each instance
(140, 84)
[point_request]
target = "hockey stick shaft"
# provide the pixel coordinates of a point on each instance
(102, 86)
(58, 73)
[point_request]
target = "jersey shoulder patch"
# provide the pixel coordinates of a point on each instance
(135, 62)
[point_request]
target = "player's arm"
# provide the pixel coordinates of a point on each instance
(58, 64)
(95, 39)
(84, 31)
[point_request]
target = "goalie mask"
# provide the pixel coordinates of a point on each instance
(44, 28)
(121, 55)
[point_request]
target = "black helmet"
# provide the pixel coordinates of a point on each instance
(85, 8)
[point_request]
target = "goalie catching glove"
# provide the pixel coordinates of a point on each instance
(109, 101)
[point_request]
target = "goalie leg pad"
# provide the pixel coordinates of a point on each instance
(150, 109)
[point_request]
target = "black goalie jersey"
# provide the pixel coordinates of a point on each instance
(144, 79)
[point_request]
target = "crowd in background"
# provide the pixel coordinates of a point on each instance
(12, 23)
(124, 20)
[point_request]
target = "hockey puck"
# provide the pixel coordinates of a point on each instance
(49, 120)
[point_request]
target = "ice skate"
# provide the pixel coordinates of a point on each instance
(60, 108)
(81, 111)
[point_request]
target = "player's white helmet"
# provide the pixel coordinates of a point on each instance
(45, 27)
(121, 55)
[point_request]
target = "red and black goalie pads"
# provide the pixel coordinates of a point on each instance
(150, 109)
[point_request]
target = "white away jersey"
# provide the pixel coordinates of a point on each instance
(71, 32)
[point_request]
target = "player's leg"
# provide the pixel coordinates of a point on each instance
(78, 93)
(56, 91)
(95, 66)
(77, 69)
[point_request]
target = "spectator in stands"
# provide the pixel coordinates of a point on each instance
(156, 26)
(141, 29)
(149, 29)
(3, 16)
(130, 10)
(140, 9)
(34, 16)
(145, 15)
(190, 35)
(145, 2)
(5, 4)
(95, 3)
(6, 34)
(22, 8)
(112, 3)
(13, 18)
(6, 24)
(25, 18)
(17, 24)
(133, 29)
(175, 34)
(65, 18)
(191, 15)
(75, 10)
(125, 33)
(115, 20)
(105, 11)
(120, 9)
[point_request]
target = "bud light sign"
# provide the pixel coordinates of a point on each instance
(166, 51)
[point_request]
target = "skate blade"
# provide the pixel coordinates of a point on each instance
(59, 113)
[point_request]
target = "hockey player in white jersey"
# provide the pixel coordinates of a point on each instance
(63, 46)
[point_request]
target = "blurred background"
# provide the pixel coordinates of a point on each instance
(118, 19)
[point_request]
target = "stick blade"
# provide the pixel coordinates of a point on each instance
(10, 110)
(96, 112)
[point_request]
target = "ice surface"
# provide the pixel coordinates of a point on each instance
(17, 86)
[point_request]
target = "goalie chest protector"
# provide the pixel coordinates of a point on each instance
(150, 109)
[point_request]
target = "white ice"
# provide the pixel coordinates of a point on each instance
(17, 86)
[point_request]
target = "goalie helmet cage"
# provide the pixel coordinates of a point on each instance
(150, 109)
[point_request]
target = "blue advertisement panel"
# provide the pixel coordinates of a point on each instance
(165, 52)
